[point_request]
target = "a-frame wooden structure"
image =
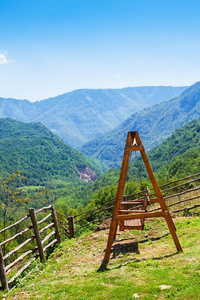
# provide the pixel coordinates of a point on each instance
(133, 143)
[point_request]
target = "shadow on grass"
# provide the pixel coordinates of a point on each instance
(122, 247)
(154, 239)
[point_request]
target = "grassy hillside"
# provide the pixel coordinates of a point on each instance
(83, 115)
(143, 265)
(154, 124)
(42, 156)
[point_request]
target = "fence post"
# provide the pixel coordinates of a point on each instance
(37, 234)
(57, 230)
(3, 278)
(124, 198)
(71, 227)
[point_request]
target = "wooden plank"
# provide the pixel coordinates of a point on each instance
(133, 202)
(133, 223)
(61, 222)
(126, 211)
(50, 244)
(16, 235)
(145, 215)
(153, 200)
(182, 193)
(133, 148)
(42, 209)
(93, 210)
(85, 218)
(182, 184)
(20, 258)
(168, 183)
(18, 247)
(186, 208)
(46, 227)
(44, 219)
(134, 227)
(23, 269)
(95, 221)
(48, 237)
(66, 231)
(15, 224)
(59, 213)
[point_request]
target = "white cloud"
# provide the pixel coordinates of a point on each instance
(3, 58)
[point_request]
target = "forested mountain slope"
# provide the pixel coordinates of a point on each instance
(83, 115)
(185, 138)
(178, 155)
(40, 155)
(154, 124)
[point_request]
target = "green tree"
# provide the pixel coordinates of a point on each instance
(10, 198)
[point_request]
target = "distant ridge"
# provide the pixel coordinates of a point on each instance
(82, 115)
(154, 124)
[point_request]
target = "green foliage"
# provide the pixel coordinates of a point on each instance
(183, 139)
(12, 204)
(10, 198)
(41, 155)
(131, 187)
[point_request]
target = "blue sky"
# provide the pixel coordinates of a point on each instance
(50, 47)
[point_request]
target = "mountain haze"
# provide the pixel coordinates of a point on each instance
(82, 115)
(154, 124)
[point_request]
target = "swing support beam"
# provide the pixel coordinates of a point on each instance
(133, 143)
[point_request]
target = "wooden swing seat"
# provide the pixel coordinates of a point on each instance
(133, 224)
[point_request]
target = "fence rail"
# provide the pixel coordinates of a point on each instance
(106, 206)
(6, 259)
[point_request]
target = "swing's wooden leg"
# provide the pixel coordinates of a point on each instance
(115, 233)
(111, 237)
(172, 230)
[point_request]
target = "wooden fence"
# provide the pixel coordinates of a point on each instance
(66, 225)
(183, 188)
(43, 242)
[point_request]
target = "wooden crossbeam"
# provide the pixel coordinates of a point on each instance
(133, 148)
(130, 211)
(142, 215)
(134, 202)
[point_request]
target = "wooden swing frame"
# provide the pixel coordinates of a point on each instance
(133, 143)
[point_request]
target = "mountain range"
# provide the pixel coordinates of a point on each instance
(82, 115)
(154, 124)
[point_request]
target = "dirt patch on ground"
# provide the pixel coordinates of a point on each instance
(103, 226)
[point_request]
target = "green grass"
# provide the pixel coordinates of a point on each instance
(141, 261)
